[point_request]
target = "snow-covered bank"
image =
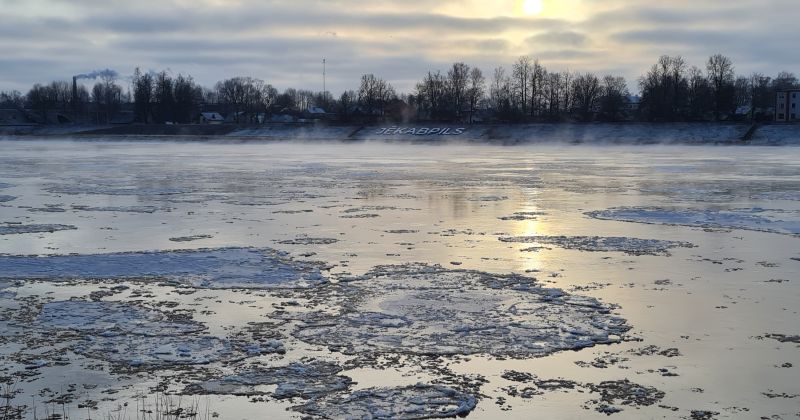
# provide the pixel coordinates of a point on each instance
(615, 133)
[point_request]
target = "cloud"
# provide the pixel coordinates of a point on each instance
(284, 42)
(558, 38)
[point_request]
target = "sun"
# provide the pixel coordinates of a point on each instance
(532, 7)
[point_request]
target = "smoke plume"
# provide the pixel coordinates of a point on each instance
(112, 74)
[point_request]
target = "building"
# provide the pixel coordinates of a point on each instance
(787, 107)
(211, 118)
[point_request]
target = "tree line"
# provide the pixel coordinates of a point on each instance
(671, 90)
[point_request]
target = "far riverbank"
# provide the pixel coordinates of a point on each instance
(594, 133)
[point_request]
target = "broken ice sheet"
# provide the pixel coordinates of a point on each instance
(4, 292)
(7, 198)
(111, 318)
(411, 402)
(632, 246)
(117, 209)
(222, 268)
(306, 380)
(309, 241)
(424, 309)
(190, 238)
(523, 215)
(748, 219)
(158, 351)
(15, 229)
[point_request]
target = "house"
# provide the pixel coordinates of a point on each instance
(787, 106)
(211, 118)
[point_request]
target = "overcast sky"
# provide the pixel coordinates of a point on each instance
(284, 42)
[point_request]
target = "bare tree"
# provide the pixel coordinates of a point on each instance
(457, 84)
(719, 70)
(536, 82)
(501, 94)
(613, 98)
(521, 73)
(476, 91)
(374, 93)
(431, 94)
(586, 92)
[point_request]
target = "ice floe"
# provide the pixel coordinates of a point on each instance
(222, 268)
(190, 238)
(158, 351)
(748, 219)
(118, 209)
(7, 198)
(306, 380)
(632, 246)
(411, 402)
(15, 229)
(424, 309)
(111, 318)
(309, 241)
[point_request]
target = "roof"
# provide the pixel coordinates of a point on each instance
(212, 116)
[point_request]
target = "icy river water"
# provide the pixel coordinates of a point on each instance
(286, 280)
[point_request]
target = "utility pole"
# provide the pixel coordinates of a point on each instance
(324, 80)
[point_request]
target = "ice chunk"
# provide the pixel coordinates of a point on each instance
(231, 268)
(158, 351)
(411, 402)
(111, 318)
(632, 246)
(430, 310)
(748, 219)
(306, 380)
(12, 229)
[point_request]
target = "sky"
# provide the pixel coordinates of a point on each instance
(284, 42)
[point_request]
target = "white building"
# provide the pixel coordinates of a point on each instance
(787, 108)
(211, 118)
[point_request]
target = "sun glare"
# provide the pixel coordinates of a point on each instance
(533, 7)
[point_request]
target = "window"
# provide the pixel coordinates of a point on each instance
(781, 116)
(794, 105)
(783, 106)
(794, 117)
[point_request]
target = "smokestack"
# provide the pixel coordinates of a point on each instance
(74, 92)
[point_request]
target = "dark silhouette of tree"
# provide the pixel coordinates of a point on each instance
(785, 81)
(347, 102)
(12, 99)
(457, 89)
(719, 70)
(536, 83)
(40, 99)
(374, 94)
(476, 91)
(520, 74)
(164, 98)
(586, 92)
(614, 97)
(501, 96)
(431, 95)
(187, 97)
(107, 98)
(699, 100)
(142, 84)
(665, 90)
